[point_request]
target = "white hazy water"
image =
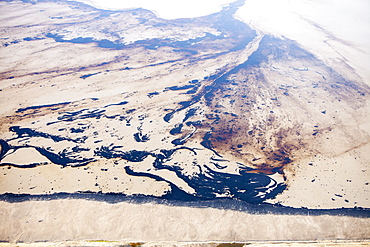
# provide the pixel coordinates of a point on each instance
(334, 30)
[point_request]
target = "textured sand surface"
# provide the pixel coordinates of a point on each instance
(195, 244)
(58, 220)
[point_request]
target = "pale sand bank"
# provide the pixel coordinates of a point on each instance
(194, 244)
(61, 220)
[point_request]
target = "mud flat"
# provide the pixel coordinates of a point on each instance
(119, 125)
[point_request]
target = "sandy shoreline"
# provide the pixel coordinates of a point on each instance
(61, 220)
(88, 243)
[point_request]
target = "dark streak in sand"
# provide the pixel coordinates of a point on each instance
(249, 187)
(63, 158)
(27, 132)
(42, 106)
(189, 201)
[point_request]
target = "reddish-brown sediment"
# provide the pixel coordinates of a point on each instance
(267, 120)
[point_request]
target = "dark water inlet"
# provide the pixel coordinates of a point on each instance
(42, 106)
(27, 132)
